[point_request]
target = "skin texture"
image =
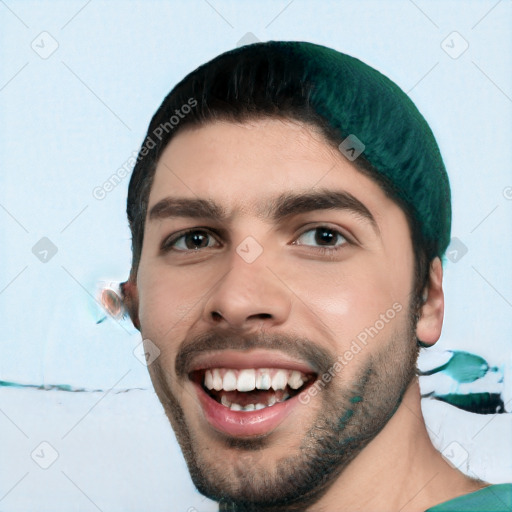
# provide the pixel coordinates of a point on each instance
(360, 443)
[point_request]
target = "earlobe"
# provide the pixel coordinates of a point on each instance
(428, 328)
(130, 299)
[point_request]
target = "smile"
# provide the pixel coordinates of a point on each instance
(244, 401)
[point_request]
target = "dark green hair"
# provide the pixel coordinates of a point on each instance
(336, 93)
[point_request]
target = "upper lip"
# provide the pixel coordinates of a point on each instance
(253, 358)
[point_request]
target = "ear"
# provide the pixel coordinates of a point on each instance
(428, 328)
(130, 296)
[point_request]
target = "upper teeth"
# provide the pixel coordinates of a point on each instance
(249, 379)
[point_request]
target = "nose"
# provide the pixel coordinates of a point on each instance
(248, 295)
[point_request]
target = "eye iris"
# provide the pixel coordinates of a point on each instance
(323, 235)
(197, 240)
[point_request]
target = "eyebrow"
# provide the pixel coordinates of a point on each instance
(276, 209)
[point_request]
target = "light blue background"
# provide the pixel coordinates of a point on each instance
(72, 120)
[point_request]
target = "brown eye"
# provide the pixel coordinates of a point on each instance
(191, 240)
(322, 236)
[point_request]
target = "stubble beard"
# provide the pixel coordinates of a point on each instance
(350, 416)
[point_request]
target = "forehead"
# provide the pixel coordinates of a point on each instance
(246, 165)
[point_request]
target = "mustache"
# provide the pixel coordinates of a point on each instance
(318, 358)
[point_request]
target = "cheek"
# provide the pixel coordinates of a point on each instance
(163, 310)
(350, 298)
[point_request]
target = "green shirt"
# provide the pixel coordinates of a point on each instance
(494, 498)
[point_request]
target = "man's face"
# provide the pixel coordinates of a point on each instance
(273, 290)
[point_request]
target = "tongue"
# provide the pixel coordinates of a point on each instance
(250, 397)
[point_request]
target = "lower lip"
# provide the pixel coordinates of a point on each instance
(244, 423)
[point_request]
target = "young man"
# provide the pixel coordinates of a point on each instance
(289, 211)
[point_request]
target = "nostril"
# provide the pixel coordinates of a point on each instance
(217, 316)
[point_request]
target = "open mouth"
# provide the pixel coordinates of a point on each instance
(251, 389)
(247, 393)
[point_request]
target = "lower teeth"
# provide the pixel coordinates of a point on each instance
(251, 407)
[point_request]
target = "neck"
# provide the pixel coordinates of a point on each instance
(399, 469)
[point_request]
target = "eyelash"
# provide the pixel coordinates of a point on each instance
(167, 245)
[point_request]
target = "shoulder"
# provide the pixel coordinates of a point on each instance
(493, 498)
